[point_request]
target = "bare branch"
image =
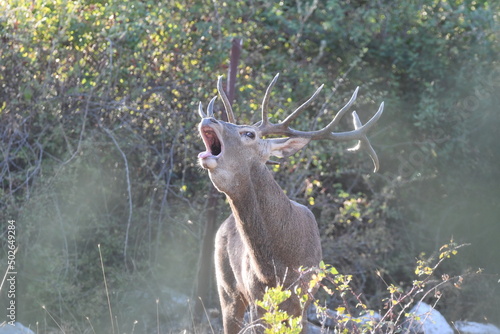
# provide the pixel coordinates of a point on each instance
(129, 191)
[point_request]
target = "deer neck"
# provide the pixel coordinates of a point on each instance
(257, 196)
(261, 210)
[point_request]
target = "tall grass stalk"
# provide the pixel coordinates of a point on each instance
(53, 319)
(107, 291)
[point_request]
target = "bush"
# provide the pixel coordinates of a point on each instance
(97, 119)
(351, 314)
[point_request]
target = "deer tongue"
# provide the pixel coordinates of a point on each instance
(203, 155)
(207, 160)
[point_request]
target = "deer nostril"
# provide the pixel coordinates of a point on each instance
(213, 120)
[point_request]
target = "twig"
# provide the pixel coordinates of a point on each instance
(80, 139)
(157, 315)
(206, 314)
(66, 247)
(192, 316)
(53, 319)
(91, 326)
(129, 192)
(107, 291)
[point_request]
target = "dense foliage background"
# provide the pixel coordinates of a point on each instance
(99, 144)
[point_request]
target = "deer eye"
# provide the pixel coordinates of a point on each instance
(249, 134)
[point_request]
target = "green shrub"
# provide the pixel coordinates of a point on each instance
(396, 302)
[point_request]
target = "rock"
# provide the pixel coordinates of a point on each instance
(313, 329)
(370, 318)
(426, 320)
(469, 327)
(327, 319)
(18, 328)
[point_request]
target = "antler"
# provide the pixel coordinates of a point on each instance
(210, 108)
(225, 100)
(359, 132)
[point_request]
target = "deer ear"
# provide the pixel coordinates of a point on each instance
(285, 147)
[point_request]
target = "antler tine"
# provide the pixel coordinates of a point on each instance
(297, 111)
(364, 143)
(265, 101)
(340, 114)
(225, 100)
(282, 128)
(200, 110)
(357, 133)
(210, 109)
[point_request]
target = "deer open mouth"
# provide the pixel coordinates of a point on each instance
(212, 142)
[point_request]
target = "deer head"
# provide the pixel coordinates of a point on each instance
(230, 146)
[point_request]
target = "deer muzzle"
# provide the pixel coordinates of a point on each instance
(213, 144)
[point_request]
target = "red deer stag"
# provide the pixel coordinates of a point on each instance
(268, 237)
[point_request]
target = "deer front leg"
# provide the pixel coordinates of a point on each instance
(233, 311)
(233, 304)
(231, 300)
